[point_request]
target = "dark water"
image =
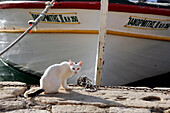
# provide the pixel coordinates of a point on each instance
(9, 74)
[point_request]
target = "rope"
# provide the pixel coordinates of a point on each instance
(41, 16)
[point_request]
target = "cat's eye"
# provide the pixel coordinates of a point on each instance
(78, 68)
(73, 68)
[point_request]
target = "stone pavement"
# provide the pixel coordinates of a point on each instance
(113, 100)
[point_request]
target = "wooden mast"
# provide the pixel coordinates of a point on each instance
(101, 42)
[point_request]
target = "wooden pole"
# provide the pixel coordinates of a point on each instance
(101, 41)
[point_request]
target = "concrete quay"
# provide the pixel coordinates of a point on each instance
(104, 100)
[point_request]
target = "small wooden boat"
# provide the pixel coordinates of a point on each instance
(136, 43)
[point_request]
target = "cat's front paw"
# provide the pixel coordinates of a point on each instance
(67, 88)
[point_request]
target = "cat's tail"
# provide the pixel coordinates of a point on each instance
(28, 94)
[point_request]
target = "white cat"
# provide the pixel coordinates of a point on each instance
(55, 76)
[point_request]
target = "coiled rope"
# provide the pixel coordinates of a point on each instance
(34, 23)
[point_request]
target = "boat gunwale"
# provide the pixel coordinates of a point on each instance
(87, 5)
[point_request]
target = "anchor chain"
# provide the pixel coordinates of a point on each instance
(87, 84)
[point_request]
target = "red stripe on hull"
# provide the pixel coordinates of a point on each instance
(138, 9)
(88, 5)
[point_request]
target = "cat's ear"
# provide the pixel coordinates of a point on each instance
(71, 63)
(81, 63)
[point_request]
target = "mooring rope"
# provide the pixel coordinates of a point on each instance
(34, 23)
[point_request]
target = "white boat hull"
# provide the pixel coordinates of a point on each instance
(128, 55)
(131, 57)
(128, 59)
